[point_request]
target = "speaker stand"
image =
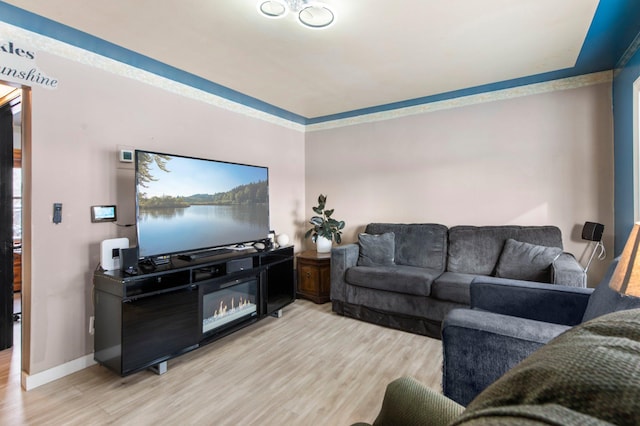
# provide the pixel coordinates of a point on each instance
(593, 253)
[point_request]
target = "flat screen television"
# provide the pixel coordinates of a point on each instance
(186, 204)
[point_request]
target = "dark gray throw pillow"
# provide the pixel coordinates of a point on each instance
(524, 261)
(377, 250)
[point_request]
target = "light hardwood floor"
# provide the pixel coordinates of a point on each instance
(310, 367)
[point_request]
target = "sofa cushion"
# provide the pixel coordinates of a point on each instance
(376, 250)
(452, 286)
(419, 244)
(548, 236)
(476, 249)
(396, 278)
(524, 261)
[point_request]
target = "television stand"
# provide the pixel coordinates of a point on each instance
(144, 320)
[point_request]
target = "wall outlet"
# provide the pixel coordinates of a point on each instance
(92, 324)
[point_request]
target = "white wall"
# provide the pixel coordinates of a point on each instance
(76, 130)
(533, 160)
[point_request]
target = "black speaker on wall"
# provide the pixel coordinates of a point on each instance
(592, 231)
(129, 260)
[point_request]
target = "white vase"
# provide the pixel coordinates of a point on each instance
(323, 245)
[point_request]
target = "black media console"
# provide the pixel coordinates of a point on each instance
(143, 320)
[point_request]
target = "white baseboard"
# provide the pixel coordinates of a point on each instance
(32, 381)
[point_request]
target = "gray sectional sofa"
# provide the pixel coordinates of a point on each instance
(409, 276)
(508, 321)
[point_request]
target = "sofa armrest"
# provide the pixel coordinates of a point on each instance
(553, 303)
(409, 402)
(342, 258)
(566, 270)
(479, 347)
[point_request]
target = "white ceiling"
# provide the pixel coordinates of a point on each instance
(377, 52)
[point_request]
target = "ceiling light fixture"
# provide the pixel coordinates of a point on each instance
(310, 13)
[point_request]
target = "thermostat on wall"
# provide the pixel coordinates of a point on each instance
(126, 156)
(103, 214)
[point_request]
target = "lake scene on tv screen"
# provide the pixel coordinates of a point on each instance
(187, 204)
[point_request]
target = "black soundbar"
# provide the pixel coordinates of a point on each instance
(205, 253)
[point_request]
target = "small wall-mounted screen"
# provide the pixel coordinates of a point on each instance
(103, 214)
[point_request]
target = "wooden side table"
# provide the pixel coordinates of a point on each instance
(314, 276)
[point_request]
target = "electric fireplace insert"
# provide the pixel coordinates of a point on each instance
(228, 303)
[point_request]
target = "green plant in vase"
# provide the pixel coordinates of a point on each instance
(325, 228)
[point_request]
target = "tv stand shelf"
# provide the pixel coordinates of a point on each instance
(143, 320)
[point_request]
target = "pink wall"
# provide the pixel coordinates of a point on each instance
(533, 160)
(76, 130)
(539, 159)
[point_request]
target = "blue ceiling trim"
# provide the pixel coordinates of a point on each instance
(615, 25)
(486, 88)
(46, 27)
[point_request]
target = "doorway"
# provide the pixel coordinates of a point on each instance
(10, 215)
